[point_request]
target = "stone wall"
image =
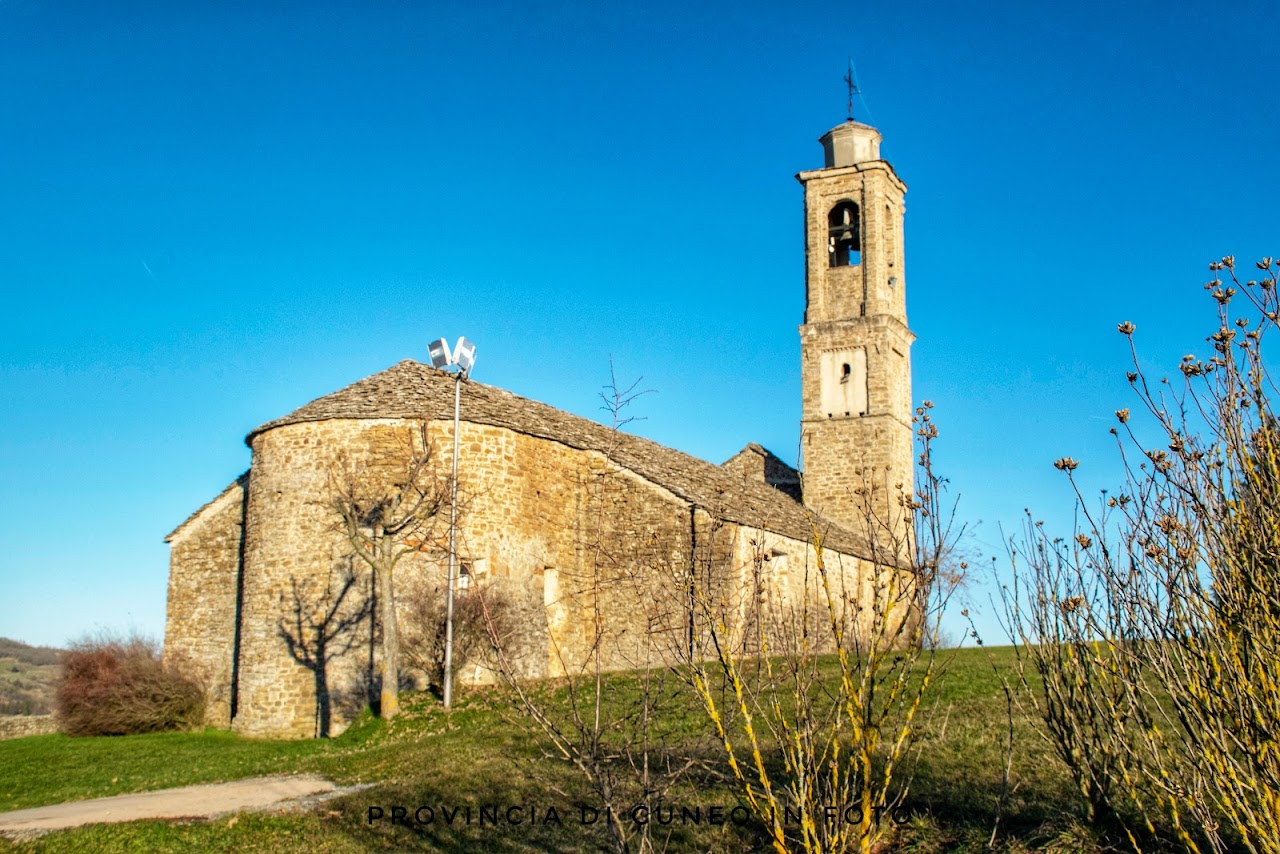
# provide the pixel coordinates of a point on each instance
(22, 726)
(781, 589)
(862, 289)
(758, 464)
(589, 555)
(293, 564)
(519, 513)
(842, 454)
(200, 617)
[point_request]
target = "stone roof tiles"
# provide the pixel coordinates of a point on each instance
(412, 390)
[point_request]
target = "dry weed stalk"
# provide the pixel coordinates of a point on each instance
(423, 616)
(818, 710)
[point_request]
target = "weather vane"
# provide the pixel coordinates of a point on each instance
(851, 82)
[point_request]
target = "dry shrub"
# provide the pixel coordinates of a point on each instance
(1155, 629)
(114, 686)
(422, 615)
(803, 730)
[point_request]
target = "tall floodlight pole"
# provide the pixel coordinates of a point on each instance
(462, 357)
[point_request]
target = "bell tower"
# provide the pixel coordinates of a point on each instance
(855, 347)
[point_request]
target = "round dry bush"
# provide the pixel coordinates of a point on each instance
(113, 686)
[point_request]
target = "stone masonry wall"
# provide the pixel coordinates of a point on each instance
(22, 726)
(781, 590)
(204, 569)
(292, 565)
(590, 555)
(840, 452)
(838, 292)
(577, 544)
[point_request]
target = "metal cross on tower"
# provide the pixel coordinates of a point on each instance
(852, 83)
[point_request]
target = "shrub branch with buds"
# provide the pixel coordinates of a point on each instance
(1157, 628)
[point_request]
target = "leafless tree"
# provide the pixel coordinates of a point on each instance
(388, 501)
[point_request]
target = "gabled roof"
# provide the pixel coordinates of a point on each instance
(762, 464)
(239, 483)
(416, 391)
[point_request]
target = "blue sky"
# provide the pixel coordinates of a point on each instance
(214, 213)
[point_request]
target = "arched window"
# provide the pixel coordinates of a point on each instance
(845, 230)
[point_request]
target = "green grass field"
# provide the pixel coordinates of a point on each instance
(485, 753)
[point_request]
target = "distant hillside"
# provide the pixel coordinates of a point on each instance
(27, 677)
(28, 654)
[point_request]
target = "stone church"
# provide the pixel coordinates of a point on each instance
(550, 493)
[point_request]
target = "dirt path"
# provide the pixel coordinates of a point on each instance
(207, 801)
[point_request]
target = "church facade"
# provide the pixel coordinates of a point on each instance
(598, 542)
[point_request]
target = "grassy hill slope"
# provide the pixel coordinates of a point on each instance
(27, 678)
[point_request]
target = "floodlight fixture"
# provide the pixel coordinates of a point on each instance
(464, 355)
(440, 355)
